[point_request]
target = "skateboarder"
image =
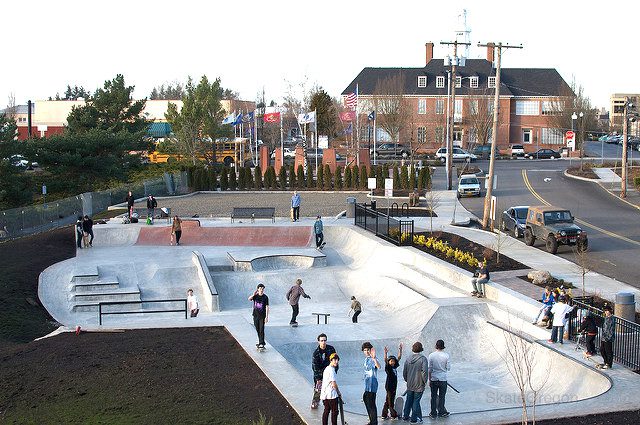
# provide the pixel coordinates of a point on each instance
(371, 366)
(192, 303)
(152, 204)
(391, 363)
(356, 308)
(317, 230)
(79, 232)
(293, 295)
(608, 335)
(319, 361)
(330, 391)
(438, 367)
(130, 201)
(295, 205)
(415, 375)
(260, 313)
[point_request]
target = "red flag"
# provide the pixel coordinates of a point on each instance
(347, 116)
(272, 117)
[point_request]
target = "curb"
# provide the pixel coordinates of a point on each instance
(584, 179)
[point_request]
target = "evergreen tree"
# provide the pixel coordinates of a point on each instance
(248, 178)
(233, 182)
(282, 177)
(242, 179)
(257, 181)
(348, 182)
(320, 177)
(337, 181)
(364, 183)
(213, 179)
(224, 179)
(292, 177)
(396, 178)
(404, 177)
(421, 179)
(327, 177)
(380, 176)
(355, 177)
(300, 177)
(310, 182)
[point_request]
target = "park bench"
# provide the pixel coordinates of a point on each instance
(253, 213)
(142, 213)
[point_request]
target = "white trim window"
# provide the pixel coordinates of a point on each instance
(490, 106)
(422, 81)
(457, 114)
(458, 81)
(491, 83)
(551, 136)
(474, 82)
(473, 106)
(439, 82)
(439, 135)
(439, 106)
(527, 135)
(422, 135)
(552, 107)
(422, 106)
(527, 107)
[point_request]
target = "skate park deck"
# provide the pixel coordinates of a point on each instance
(405, 299)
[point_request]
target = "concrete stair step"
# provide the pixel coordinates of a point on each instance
(92, 306)
(113, 295)
(85, 278)
(221, 268)
(96, 286)
(434, 278)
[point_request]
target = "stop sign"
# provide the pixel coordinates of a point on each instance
(570, 134)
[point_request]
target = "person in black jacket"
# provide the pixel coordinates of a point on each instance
(590, 328)
(319, 361)
(130, 201)
(152, 204)
(79, 232)
(87, 227)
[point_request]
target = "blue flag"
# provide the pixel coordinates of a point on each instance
(238, 120)
(372, 116)
(349, 129)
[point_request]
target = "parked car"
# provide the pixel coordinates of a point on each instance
(287, 152)
(19, 161)
(555, 227)
(514, 220)
(468, 185)
(484, 151)
(603, 138)
(613, 139)
(543, 154)
(391, 149)
(459, 154)
(517, 151)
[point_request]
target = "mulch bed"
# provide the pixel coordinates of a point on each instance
(413, 212)
(614, 418)
(456, 241)
(586, 172)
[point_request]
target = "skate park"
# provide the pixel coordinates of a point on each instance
(407, 296)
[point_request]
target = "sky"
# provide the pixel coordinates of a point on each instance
(255, 45)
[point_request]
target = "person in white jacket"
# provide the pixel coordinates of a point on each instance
(192, 303)
(559, 311)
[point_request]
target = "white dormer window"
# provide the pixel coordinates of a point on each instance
(474, 82)
(422, 81)
(440, 82)
(458, 82)
(492, 82)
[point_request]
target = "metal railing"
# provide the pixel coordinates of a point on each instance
(398, 232)
(142, 310)
(626, 345)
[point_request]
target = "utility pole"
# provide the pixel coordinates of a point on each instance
(451, 124)
(625, 135)
(494, 134)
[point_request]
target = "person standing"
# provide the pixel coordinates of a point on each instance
(548, 300)
(319, 361)
(79, 232)
(152, 204)
(295, 205)
(356, 308)
(318, 231)
(391, 364)
(130, 201)
(87, 227)
(559, 311)
(371, 366)
(480, 281)
(608, 335)
(588, 326)
(415, 375)
(176, 229)
(293, 296)
(438, 367)
(260, 313)
(330, 391)
(192, 303)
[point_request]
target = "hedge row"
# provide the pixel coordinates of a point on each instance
(351, 178)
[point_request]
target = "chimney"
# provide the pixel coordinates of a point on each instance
(429, 47)
(491, 52)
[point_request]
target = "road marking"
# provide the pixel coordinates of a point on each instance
(584, 223)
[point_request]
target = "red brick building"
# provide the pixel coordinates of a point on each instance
(530, 100)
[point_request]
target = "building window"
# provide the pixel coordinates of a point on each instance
(439, 106)
(552, 108)
(473, 136)
(458, 82)
(422, 81)
(474, 82)
(440, 82)
(552, 136)
(457, 114)
(473, 107)
(527, 107)
(439, 135)
(492, 82)
(527, 135)
(490, 106)
(422, 135)
(422, 106)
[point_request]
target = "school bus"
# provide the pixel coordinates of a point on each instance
(227, 151)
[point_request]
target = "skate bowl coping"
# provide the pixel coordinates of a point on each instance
(277, 262)
(209, 290)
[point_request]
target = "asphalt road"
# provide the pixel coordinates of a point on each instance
(612, 225)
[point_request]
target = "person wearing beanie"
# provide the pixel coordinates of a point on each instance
(608, 335)
(438, 367)
(415, 375)
(330, 391)
(371, 366)
(391, 363)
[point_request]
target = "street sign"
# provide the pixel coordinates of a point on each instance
(388, 187)
(323, 142)
(371, 183)
(570, 136)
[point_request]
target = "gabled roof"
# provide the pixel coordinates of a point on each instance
(530, 82)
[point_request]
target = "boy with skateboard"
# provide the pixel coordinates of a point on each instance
(391, 363)
(371, 366)
(293, 296)
(295, 206)
(330, 392)
(260, 313)
(319, 361)
(318, 231)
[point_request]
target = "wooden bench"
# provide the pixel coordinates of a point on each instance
(253, 213)
(326, 316)
(158, 213)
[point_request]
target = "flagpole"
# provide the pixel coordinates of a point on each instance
(255, 133)
(357, 128)
(281, 143)
(375, 156)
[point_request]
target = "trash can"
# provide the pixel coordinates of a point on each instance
(625, 306)
(373, 204)
(351, 207)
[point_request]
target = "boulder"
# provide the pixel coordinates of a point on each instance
(539, 277)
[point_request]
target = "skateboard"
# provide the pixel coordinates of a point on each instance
(341, 409)
(399, 406)
(261, 349)
(292, 214)
(322, 246)
(293, 325)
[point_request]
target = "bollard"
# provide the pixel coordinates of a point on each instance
(351, 207)
(625, 306)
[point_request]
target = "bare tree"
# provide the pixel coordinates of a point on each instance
(433, 201)
(480, 118)
(11, 107)
(500, 242)
(390, 105)
(583, 264)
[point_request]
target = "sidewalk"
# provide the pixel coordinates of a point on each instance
(610, 182)
(535, 258)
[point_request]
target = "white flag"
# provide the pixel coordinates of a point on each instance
(229, 119)
(307, 118)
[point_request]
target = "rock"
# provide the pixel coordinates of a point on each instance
(539, 277)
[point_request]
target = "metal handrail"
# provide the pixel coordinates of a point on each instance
(382, 225)
(106, 303)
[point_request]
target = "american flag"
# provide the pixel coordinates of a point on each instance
(351, 101)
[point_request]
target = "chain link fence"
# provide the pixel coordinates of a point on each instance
(24, 221)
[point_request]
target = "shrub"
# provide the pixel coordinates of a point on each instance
(327, 177)
(355, 176)
(282, 178)
(310, 182)
(300, 177)
(348, 181)
(242, 179)
(364, 175)
(396, 178)
(337, 181)
(249, 178)
(233, 182)
(211, 180)
(412, 178)
(224, 179)
(257, 180)
(270, 178)
(404, 177)
(636, 182)
(320, 177)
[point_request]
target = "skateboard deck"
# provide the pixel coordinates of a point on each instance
(293, 325)
(341, 409)
(399, 406)
(291, 214)
(322, 245)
